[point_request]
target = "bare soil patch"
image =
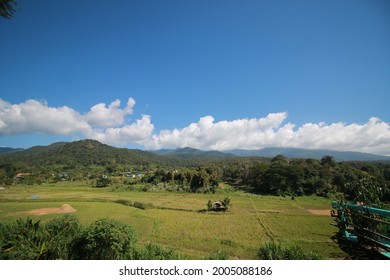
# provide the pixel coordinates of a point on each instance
(319, 212)
(65, 208)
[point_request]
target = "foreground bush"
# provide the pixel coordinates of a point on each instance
(28, 239)
(219, 255)
(276, 251)
(105, 239)
(156, 252)
(65, 238)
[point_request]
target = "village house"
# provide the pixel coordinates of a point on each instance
(22, 175)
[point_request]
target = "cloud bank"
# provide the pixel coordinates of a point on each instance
(104, 123)
(107, 123)
(273, 131)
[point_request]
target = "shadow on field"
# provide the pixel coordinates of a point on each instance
(356, 251)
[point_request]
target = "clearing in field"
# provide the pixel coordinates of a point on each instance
(64, 209)
(325, 212)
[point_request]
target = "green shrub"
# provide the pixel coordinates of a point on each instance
(156, 252)
(22, 240)
(124, 202)
(276, 251)
(105, 239)
(143, 205)
(219, 255)
(63, 231)
(26, 239)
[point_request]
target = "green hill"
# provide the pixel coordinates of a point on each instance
(82, 153)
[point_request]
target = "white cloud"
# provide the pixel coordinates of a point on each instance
(103, 116)
(99, 123)
(108, 125)
(271, 131)
(135, 133)
(224, 135)
(33, 116)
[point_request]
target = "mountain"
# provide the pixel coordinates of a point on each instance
(89, 153)
(309, 153)
(84, 152)
(6, 150)
(188, 152)
(270, 153)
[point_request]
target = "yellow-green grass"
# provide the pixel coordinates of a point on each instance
(177, 219)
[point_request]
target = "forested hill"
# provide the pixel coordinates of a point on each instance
(91, 152)
(85, 153)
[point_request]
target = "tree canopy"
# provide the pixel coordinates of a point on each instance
(7, 8)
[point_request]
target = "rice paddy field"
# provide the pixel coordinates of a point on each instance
(180, 221)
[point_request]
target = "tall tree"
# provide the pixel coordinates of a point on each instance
(7, 8)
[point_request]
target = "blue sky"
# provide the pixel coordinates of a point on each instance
(214, 74)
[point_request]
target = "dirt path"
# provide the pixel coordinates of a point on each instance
(65, 208)
(319, 212)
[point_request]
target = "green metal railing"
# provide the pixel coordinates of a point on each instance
(364, 225)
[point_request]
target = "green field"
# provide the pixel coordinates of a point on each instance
(176, 220)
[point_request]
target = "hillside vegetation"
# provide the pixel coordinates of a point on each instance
(191, 170)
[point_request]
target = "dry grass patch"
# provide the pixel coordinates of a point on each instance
(64, 209)
(325, 212)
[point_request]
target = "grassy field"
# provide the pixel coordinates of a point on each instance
(176, 220)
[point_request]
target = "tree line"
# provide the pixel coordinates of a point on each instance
(89, 160)
(280, 176)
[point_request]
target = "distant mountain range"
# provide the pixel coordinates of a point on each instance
(6, 150)
(309, 153)
(272, 152)
(191, 152)
(91, 151)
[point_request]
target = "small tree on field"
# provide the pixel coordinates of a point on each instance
(226, 202)
(209, 205)
(102, 182)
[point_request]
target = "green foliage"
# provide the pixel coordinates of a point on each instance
(209, 205)
(219, 255)
(64, 238)
(277, 251)
(102, 182)
(63, 231)
(155, 252)
(366, 190)
(143, 205)
(26, 239)
(7, 8)
(226, 202)
(106, 239)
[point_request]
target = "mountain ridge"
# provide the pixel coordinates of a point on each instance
(86, 151)
(192, 152)
(274, 151)
(310, 153)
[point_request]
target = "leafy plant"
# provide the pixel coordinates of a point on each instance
(103, 182)
(277, 251)
(209, 205)
(226, 202)
(219, 255)
(106, 239)
(155, 252)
